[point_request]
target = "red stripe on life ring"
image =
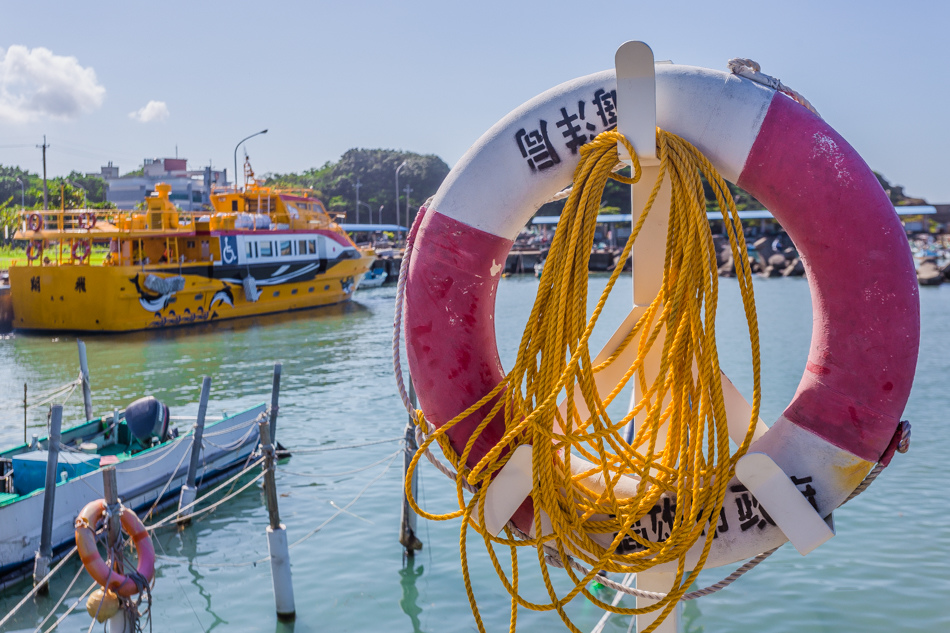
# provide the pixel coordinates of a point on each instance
(864, 289)
(450, 322)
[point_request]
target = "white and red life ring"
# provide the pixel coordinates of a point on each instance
(86, 220)
(864, 345)
(34, 222)
(34, 250)
(81, 250)
(101, 572)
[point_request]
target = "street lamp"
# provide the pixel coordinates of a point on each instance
(369, 211)
(235, 154)
(357, 186)
(398, 169)
(22, 193)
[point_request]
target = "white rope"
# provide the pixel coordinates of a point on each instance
(236, 443)
(73, 606)
(172, 476)
(36, 588)
(208, 494)
(284, 471)
(52, 611)
(750, 69)
(397, 317)
(309, 534)
(397, 357)
(322, 449)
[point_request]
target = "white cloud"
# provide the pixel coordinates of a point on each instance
(36, 83)
(152, 111)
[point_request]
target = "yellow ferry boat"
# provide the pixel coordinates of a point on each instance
(259, 251)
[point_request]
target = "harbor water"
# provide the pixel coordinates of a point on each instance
(340, 494)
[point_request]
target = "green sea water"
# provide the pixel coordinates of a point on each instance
(887, 570)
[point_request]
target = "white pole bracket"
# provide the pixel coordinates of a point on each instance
(636, 101)
(786, 505)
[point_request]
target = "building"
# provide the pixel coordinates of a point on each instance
(191, 189)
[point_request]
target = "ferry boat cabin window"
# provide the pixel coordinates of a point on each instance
(302, 247)
(249, 249)
(285, 248)
(312, 247)
(266, 249)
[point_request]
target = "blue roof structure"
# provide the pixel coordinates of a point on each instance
(373, 228)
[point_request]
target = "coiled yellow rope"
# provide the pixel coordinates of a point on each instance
(578, 461)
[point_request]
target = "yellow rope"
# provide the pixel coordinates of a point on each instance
(693, 465)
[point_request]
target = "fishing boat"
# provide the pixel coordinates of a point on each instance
(374, 278)
(258, 250)
(149, 450)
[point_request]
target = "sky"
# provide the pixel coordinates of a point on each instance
(124, 81)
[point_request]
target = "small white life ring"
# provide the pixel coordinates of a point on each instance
(864, 345)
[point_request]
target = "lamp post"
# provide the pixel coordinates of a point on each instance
(235, 154)
(398, 169)
(22, 193)
(408, 190)
(380, 218)
(357, 186)
(369, 211)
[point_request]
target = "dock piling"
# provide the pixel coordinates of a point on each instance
(86, 388)
(45, 553)
(190, 490)
(277, 546)
(407, 523)
(121, 621)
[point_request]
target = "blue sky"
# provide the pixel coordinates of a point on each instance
(430, 77)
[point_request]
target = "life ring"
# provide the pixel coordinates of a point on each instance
(86, 220)
(34, 250)
(81, 250)
(34, 222)
(864, 345)
(101, 572)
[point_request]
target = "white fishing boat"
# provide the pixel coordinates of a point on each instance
(374, 278)
(149, 451)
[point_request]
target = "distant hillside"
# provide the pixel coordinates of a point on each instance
(375, 172)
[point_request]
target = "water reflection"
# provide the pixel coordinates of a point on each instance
(184, 543)
(410, 593)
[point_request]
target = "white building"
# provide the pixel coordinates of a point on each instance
(191, 190)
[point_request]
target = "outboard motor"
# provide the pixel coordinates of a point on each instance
(147, 417)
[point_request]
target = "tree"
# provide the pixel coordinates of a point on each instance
(375, 170)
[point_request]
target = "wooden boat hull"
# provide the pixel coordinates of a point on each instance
(148, 476)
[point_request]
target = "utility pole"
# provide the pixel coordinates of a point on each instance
(408, 190)
(45, 190)
(358, 185)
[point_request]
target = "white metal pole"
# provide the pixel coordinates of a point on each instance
(277, 546)
(636, 119)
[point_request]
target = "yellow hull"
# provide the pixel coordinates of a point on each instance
(114, 299)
